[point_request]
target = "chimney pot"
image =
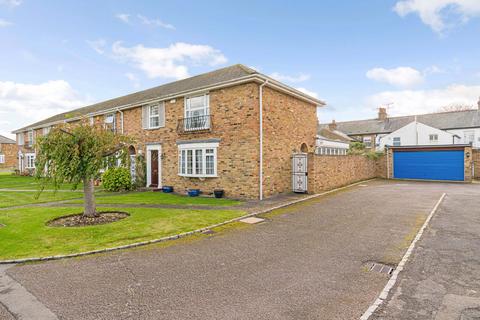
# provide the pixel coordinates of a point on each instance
(332, 126)
(382, 114)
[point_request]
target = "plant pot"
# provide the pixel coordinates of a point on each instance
(218, 193)
(193, 192)
(167, 189)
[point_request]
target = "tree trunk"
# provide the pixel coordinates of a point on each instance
(90, 209)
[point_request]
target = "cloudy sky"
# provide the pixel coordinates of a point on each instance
(413, 56)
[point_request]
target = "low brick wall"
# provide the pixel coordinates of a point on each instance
(476, 163)
(329, 172)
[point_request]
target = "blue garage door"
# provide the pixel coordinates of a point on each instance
(429, 165)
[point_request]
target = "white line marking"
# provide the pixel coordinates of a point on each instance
(384, 294)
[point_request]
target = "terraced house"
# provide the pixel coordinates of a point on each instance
(233, 129)
(8, 153)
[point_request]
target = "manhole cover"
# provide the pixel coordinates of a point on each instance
(252, 220)
(379, 267)
(470, 314)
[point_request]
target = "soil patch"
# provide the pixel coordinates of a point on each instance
(78, 220)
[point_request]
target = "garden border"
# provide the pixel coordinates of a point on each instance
(180, 235)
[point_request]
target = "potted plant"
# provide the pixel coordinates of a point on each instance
(167, 189)
(218, 193)
(193, 192)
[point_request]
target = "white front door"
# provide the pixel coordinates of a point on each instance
(154, 166)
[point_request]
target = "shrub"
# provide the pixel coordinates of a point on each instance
(117, 179)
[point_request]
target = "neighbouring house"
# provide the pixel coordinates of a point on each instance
(330, 141)
(442, 128)
(233, 129)
(8, 153)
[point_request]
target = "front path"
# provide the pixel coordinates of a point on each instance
(305, 262)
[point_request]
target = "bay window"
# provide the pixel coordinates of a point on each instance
(197, 160)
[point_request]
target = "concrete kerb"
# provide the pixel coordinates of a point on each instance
(180, 235)
(393, 279)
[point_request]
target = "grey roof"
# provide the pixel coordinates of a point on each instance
(333, 135)
(441, 120)
(199, 82)
(6, 140)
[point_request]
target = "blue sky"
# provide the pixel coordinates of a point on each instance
(413, 55)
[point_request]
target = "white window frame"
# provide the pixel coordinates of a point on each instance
(367, 142)
(188, 109)
(2, 158)
(46, 130)
(110, 119)
(150, 117)
(30, 157)
(184, 149)
(31, 137)
(20, 139)
(432, 135)
(394, 141)
(467, 134)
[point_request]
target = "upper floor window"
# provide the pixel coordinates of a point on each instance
(197, 111)
(367, 141)
(397, 141)
(20, 139)
(469, 136)
(153, 116)
(46, 130)
(110, 122)
(433, 138)
(31, 137)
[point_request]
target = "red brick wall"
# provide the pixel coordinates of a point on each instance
(330, 172)
(476, 163)
(10, 151)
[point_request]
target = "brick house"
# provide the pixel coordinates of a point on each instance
(233, 129)
(8, 153)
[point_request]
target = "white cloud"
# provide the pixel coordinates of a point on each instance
(440, 14)
(134, 79)
(5, 23)
(155, 22)
(407, 102)
(11, 3)
(405, 77)
(22, 104)
(298, 78)
(98, 45)
(310, 93)
(170, 62)
(433, 70)
(124, 17)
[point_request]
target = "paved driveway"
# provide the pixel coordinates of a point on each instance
(306, 262)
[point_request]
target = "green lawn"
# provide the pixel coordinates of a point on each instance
(9, 181)
(26, 235)
(149, 197)
(15, 198)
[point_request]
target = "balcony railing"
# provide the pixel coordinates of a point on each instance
(194, 124)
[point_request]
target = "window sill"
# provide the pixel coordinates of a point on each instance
(197, 176)
(154, 128)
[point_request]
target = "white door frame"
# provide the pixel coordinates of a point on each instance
(151, 147)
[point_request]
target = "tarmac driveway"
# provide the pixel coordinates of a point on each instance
(305, 262)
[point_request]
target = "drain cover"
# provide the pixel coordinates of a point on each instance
(252, 220)
(380, 267)
(470, 314)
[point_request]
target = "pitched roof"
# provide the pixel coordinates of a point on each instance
(199, 82)
(334, 135)
(441, 120)
(6, 140)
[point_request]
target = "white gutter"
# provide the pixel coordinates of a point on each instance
(254, 77)
(260, 173)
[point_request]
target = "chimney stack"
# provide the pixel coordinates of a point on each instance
(382, 113)
(332, 126)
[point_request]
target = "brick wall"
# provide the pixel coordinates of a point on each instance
(288, 123)
(330, 172)
(476, 163)
(9, 150)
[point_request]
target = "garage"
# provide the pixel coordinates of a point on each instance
(430, 162)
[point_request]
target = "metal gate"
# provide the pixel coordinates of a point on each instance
(300, 172)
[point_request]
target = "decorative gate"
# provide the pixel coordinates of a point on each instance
(300, 172)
